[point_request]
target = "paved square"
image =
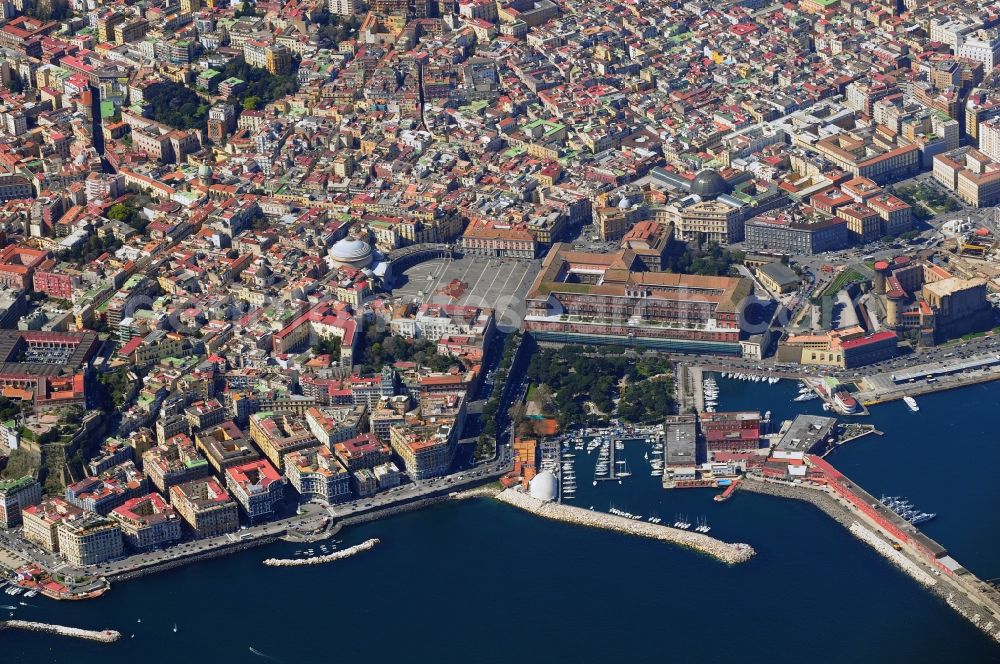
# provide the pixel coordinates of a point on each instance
(498, 283)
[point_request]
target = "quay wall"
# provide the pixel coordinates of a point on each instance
(382, 512)
(103, 636)
(726, 552)
(178, 562)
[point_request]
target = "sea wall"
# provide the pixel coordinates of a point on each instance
(895, 557)
(382, 512)
(103, 636)
(488, 491)
(726, 552)
(367, 545)
(178, 562)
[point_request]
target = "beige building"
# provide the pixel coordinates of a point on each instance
(89, 539)
(426, 450)
(970, 174)
(863, 224)
(206, 507)
(711, 221)
(41, 522)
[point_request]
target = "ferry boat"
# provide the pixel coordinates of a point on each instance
(846, 402)
(911, 402)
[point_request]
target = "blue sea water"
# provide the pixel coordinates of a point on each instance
(478, 581)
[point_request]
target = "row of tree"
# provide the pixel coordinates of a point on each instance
(575, 375)
(711, 260)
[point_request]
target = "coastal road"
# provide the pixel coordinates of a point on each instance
(407, 493)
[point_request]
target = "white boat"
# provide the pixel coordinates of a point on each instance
(911, 402)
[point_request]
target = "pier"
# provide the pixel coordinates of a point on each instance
(103, 636)
(723, 551)
(367, 545)
(697, 378)
(728, 493)
(612, 465)
(925, 379)
(853, 432)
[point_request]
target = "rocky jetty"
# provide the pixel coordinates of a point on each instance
(724, 551)
(328, 558)
(102, 636)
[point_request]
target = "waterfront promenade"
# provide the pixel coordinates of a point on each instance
(314, 522)
(724, 551)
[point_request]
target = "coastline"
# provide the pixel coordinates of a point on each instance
(483, 489)
(954, 594)
(153, 568)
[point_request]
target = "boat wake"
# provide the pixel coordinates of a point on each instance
(263, 654)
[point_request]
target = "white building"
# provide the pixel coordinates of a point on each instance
(989, 138)
(343, 7)
(434, 321)
(952, 31)
(982, 46)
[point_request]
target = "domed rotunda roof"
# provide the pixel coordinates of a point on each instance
(709, 184)
(352, 251)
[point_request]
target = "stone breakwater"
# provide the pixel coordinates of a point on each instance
(895, 557)
(488, 491)
(724, 551)
(328, 558)
(103, 636)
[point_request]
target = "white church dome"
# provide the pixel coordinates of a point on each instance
(352, 251)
